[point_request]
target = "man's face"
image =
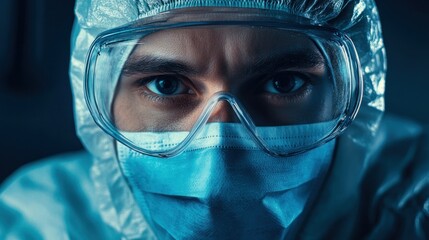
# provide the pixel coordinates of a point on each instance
(279, 76)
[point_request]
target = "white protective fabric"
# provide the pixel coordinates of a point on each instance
(86, 196)
(357, 18)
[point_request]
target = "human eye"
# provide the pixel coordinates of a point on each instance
(286, 83)
(165, 85)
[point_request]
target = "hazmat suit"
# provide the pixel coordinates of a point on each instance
(377, 186)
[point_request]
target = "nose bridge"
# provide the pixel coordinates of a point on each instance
(223, 112)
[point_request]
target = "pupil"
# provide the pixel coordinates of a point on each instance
(166, 86)
(284, 86)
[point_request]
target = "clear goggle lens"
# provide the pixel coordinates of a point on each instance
(147, 83)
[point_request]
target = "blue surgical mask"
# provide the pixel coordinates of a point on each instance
(223, 186)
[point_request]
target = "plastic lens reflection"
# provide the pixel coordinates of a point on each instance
(280, 77)
(164, 81)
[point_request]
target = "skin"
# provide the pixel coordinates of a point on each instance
(243, 61)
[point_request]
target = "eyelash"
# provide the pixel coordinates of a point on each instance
(309, 81)
(144, 91)
(292, 97)
(287, 97)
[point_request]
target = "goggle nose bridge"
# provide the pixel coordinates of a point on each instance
(239, 111)
(233, 102)
(236, 106)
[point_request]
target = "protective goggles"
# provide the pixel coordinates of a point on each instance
(178, 71)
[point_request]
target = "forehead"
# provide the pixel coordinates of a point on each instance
(228, 45)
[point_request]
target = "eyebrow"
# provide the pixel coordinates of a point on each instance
(261, 64)
(153, 64)
(294, 60)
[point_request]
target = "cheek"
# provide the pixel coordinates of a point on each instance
(132, 115)
(323, 103)
(124, 113)
(317, 106)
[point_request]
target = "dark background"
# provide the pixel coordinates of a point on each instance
(36, 118)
